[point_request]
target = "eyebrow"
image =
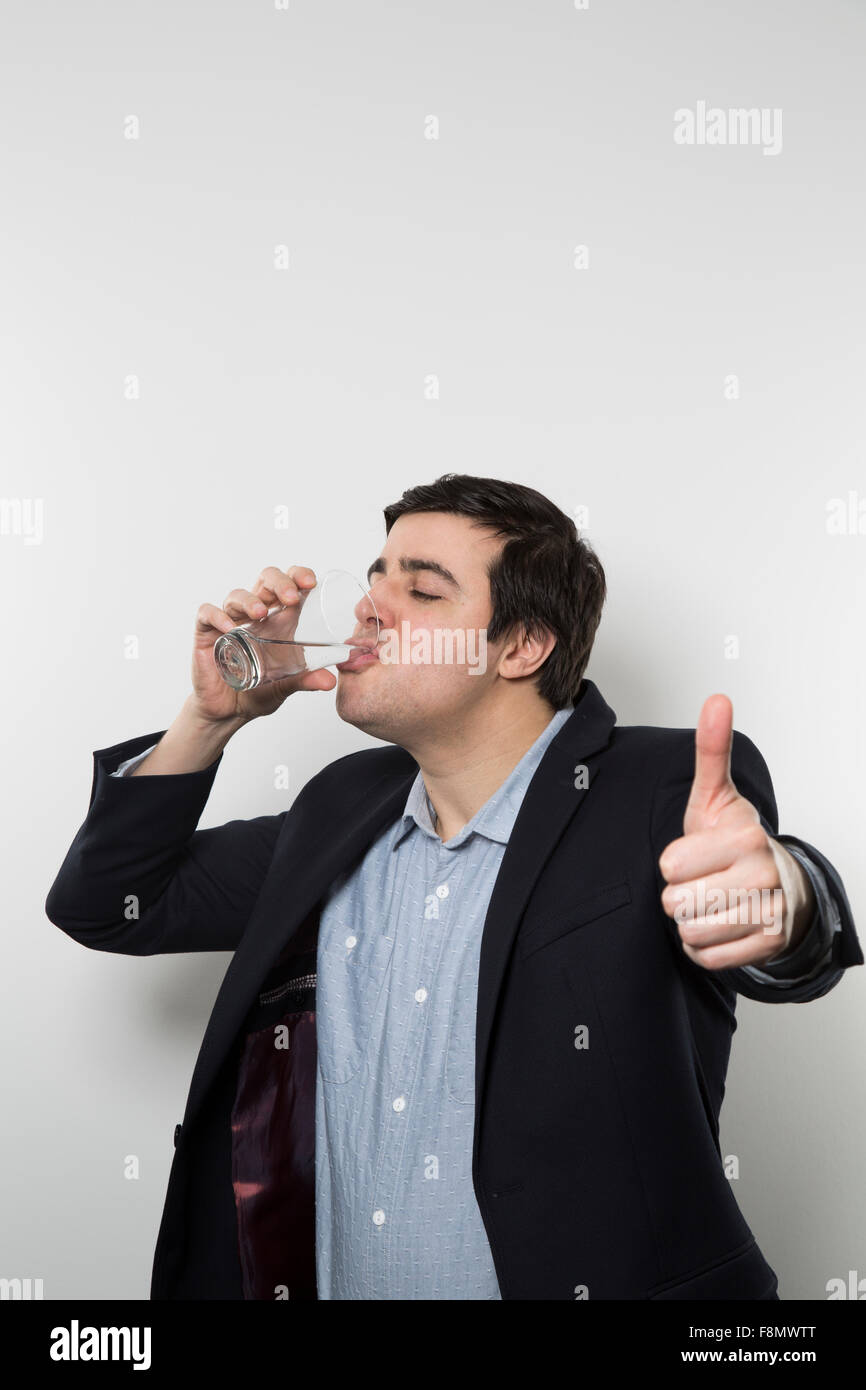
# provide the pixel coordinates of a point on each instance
(412, 566)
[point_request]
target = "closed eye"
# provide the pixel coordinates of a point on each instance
(427, 598)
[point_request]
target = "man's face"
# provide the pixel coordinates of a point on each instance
(402, 700)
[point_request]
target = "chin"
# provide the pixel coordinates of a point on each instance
(350, 703)
(361, 709)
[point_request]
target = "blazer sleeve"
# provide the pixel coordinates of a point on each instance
(752, 779)
(140, 879)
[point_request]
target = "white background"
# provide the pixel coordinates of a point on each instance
(260, 388)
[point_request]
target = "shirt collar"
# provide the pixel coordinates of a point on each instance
(495, 819)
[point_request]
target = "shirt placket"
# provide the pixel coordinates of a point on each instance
(418, 987)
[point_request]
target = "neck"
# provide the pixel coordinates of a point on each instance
(463, 773)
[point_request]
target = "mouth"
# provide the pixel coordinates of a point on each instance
(358, 660)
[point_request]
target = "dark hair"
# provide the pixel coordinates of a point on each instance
(545, 576)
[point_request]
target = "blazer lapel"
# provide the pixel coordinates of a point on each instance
(550, 802)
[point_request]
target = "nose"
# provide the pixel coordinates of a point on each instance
(368, 618)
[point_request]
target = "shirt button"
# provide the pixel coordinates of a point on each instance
(351, 941)
(400, 1103)
(420, 995)
(442, 890)
(378, 1217)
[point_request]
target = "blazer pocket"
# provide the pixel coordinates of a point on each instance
(742, 1273)
(579, 914)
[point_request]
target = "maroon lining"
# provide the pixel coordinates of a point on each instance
(273, 1159)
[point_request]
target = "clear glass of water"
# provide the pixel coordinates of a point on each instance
(334, 622)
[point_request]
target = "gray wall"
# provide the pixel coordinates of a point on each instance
(258, 387)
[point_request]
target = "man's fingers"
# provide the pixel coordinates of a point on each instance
(732, 955)
(714, 738)
(753, 882)
(718, 927)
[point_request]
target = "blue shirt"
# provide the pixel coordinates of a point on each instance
(396, 994)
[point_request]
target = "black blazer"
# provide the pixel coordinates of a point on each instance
(597, 1169)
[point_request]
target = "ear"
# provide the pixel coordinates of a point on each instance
(524, 651)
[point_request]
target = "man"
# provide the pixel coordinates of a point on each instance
(472, 1043)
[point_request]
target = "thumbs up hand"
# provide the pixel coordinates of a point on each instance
(724, 875)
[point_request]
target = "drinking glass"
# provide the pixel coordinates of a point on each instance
(331, 623)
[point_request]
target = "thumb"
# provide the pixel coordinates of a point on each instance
(320, 679)
(714, 739)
